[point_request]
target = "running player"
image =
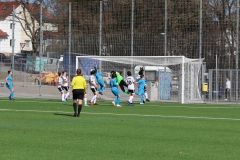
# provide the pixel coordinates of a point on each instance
(130, 82)
(9, 85)
(99, 80)
(65, 84)
(141, 84)
(115, 91)
(93, 86)
(60, 85)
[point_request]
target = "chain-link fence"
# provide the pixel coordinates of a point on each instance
(191, 28)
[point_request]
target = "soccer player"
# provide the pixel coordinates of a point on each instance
(9, 85)
(141, 84)
(120, 81)
(130, 82)
(115, 91)
(93, 86)
(99, 80)
(60, 85)
(65, 84)
(145, 87)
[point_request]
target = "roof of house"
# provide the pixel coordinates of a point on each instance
(6, 9)
(35, 10)
(3, 34)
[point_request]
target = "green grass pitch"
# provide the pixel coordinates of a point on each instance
(46, 129)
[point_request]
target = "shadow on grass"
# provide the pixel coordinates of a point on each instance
(63, 114)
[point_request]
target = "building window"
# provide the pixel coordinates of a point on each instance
(11, 43)
(6, 7)
(27, 27)
(27, 43)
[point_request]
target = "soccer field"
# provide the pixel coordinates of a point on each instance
(46, 129)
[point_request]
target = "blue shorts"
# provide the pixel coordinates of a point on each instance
(115, 91)
(9, 87)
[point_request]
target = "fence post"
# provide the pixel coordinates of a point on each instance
(237, 50)
(132, 34)
(40, 51)
(201, 77)
(69, 40)
(216, 79)
(100, 35)
(13, 40)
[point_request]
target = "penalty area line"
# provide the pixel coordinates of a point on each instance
(115, 114)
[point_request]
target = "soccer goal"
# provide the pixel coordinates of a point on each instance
(171, 78)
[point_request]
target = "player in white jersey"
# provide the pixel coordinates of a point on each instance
(60, 85)
(145, 87)
(65, 84)
(130, 82)
(93, 86)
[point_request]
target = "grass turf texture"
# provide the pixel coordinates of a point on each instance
(46, 129)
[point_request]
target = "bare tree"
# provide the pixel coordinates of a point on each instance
(222, 15)
(29, 19)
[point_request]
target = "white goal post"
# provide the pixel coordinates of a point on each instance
(172, 78)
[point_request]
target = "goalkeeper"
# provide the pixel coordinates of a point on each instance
(120, 81)
(99, 80)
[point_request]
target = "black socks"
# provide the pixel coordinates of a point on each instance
(75, 109)
(79, 109)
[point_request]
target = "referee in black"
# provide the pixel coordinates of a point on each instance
(79, 89)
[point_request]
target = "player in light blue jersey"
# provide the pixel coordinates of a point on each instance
(115, 91)
(145, 87)
(99, 80)
(9, 85)
(141, 83)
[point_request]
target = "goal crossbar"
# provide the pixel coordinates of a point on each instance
(145, 60)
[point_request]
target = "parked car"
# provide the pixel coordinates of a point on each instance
(20, 64)
(2, 57)
(8, 60)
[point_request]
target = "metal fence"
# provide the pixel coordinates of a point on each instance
(195, 29)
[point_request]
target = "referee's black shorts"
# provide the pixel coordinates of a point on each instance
(78, 94)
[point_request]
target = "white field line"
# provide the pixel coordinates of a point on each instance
(114, 114)
(159, 105)
(32, 101)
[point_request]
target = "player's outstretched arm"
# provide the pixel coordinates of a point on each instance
(102, 74)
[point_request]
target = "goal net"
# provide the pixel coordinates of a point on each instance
(170, 78)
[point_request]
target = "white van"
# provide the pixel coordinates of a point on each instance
(151, 71)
